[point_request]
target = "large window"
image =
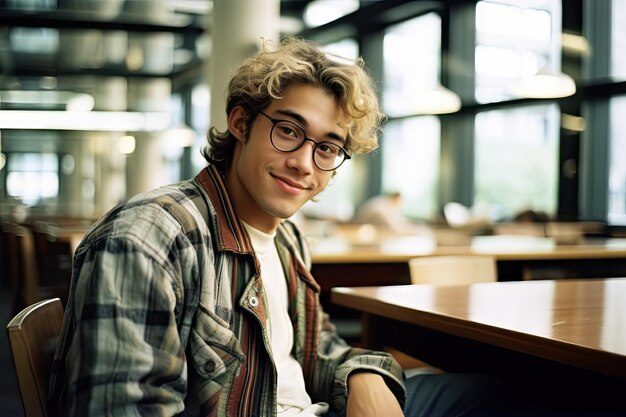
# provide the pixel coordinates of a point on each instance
(618, 39)
(603, 185)
(410, 147)
(32, 177)
(410, 65)
(516, 160)
(516, 150)
(514, 39)
(411, 164)
(617, 172)
(617, 134)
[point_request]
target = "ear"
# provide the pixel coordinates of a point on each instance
(238, 123)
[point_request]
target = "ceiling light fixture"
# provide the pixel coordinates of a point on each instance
(576, 44)
(48, 98)
(100, 121)
(544, 84)
(320, 12)
(436, 100)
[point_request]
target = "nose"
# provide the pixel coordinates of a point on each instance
(302, 158)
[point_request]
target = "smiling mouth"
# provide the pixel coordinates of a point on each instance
(289, 187)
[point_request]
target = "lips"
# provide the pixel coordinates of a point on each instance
(289, 186)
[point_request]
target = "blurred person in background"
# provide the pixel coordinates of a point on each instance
(385, 211)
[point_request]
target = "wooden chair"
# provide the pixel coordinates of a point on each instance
(453, 270)
(33, 335)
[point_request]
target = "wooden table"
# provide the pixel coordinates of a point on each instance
(578, 323)
(558, 344)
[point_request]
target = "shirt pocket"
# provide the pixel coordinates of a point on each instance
(216, 351)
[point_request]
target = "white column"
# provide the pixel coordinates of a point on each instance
(145, 167)
(77, 148)
(110, 179)
(238, 27)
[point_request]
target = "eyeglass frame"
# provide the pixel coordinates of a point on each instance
(316, 143)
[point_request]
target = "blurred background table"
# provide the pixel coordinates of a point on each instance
(339, 262)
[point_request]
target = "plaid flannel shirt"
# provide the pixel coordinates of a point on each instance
(166, 315)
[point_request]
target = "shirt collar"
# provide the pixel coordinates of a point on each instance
(231, 235)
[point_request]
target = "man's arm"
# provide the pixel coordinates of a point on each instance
(369, 396)
(345, 365)
(122, 355)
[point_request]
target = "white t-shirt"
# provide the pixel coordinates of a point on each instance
(293, 400)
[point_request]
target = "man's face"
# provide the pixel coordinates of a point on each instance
(267, 185)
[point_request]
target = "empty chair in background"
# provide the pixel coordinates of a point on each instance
(453, 270)
(445, 270)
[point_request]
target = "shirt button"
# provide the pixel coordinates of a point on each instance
(253, 301)
(209, 366)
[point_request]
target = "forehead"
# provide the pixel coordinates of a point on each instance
(315, 106)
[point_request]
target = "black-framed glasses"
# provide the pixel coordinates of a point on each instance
(287, 136)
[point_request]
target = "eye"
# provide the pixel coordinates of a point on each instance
(328, 150)
(288, 131)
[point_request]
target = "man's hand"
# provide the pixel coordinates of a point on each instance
(369, 396)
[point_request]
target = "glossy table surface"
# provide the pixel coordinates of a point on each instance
(400, 249)
(576, 322)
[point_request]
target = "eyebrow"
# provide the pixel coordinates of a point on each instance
(303, 123)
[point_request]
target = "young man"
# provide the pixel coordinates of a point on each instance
(196, 298)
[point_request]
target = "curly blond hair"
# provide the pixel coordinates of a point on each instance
(264, 78)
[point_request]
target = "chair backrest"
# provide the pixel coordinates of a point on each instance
(33, 335)
(453, 270)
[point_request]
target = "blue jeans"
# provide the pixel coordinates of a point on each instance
(447, 395)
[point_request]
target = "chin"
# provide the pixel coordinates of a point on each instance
(281, 212)
(286, 214)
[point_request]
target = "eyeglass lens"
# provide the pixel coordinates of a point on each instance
(287, 137)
